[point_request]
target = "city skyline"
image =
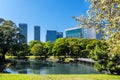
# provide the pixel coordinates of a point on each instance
(49, 14)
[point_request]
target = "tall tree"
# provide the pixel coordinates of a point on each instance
(9, 36)
(104, 15)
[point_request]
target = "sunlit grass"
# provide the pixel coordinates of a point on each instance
(58, 77)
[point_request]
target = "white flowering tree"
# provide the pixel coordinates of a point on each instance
(104, 15)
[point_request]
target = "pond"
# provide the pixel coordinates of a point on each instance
(46, 67)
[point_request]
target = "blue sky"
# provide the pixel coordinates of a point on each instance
(49, 14)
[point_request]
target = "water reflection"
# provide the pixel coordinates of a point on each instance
(44, 67)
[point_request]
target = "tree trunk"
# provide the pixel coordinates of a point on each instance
(3, 57)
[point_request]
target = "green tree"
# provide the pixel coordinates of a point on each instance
(48, 48)
(74, 47)
(9, 36)
(84, 52)
(20, 50)
(37, 49)
(60, 47)
(31, 44)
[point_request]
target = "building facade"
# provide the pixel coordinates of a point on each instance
(78, 32)
(37, 33)
(90, 33)
(59, 34)
(74, 32)
(23, 30)
(52, 35)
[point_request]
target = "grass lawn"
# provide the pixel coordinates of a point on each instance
(58, 77)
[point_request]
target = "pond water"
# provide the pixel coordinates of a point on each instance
(45, 67)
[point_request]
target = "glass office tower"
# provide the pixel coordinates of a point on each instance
(23, 31)
(52, 35)
(37, 33)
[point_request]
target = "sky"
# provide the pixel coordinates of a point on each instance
(48, 14)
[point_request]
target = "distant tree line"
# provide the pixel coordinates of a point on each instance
(67, 47)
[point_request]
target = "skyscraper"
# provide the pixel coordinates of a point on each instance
(37, 33)
(52, 35)
(23, 30)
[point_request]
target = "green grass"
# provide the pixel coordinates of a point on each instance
(58, 77)
(69, 59)
(9, 57)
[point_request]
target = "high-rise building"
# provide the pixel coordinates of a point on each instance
(37, 33)
(74, 32)
(52, 35)
(23, 30)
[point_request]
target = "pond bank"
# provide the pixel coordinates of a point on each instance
(56, 59)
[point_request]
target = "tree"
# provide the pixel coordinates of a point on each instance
(84, 52)
(114, 53)
(37, 49)
(61, 47)
(9, 36)
(104, 15)
(31, 44)
(48, 48)
(19, 50)
(107, 14)
(74, 47)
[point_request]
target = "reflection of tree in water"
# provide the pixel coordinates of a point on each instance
(74, 68)
(38, 67)
(20, 66)
(3, 66)
(44, 67)
(58, 68)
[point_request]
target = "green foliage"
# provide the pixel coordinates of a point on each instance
(31, 44)
(60, 47)
(21, 54)
(9, 37)
(98, 53)
(74, 47)
(84, 53)
(37, 49)
(48, 48)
